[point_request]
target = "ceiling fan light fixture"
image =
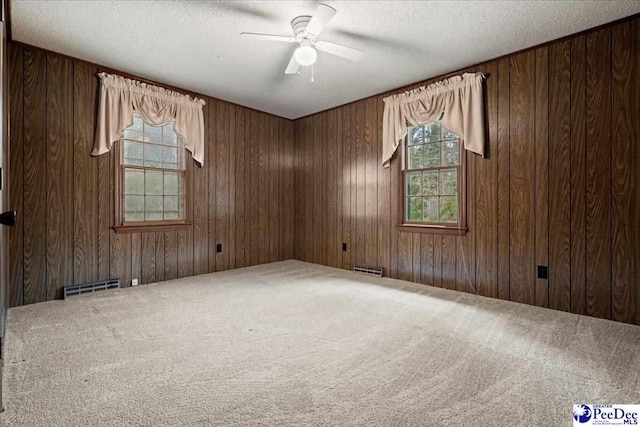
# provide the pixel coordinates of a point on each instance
(306, 55)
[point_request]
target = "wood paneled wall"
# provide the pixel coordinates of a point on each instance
(560, 185)
(242, 197)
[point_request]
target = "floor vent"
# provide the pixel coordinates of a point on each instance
(372, 271)
(91, 287)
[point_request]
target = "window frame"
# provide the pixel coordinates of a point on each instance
(458, 228)
(120, 225)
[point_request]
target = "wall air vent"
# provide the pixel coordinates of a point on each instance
(371, 271)
(91, 287)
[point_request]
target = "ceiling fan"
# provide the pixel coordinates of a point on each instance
(306, 30)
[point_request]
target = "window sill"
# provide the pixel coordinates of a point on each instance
(122, 229)
(432, 229)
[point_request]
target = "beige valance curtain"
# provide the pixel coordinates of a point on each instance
(458, 100)
(120, 97)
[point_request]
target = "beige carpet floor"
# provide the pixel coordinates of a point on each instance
(297, 344)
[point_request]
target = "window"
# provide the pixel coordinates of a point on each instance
(434, 179)
(150, 177)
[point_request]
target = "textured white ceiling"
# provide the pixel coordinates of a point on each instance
(195, 45)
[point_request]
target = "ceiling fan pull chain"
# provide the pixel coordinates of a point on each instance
(311, 73)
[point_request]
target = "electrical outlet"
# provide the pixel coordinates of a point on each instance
(543, 272)
(344, 247)
(134, 282)
(219, 247)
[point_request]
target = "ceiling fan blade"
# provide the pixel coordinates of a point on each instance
(340, 50)
(269, 37)
(293, 66)
(319, 19)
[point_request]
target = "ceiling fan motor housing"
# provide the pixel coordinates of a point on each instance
(299, 26)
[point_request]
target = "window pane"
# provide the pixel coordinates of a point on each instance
(135, 131)
(137, 126)
(134, 216)
(132, 153)
(414, 208)
(415, 135)
(152, 133)
(430, 209)
(133, 205)
(414, 183)
(430, 183)
(172, 215)
(448, 182)
(154, 216)
(154, 204)
(415, 156)
(153, 182)
(153, 155)
(450, 153)
(448, 135)
(448, 209)
(171, 183)
(432, 132)
(170, 157)
(171, 203)
(432, 155)
(133, 181)
(168, 135)
(134, 136)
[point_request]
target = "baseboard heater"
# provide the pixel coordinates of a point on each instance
(91, 287)
(371, 271)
